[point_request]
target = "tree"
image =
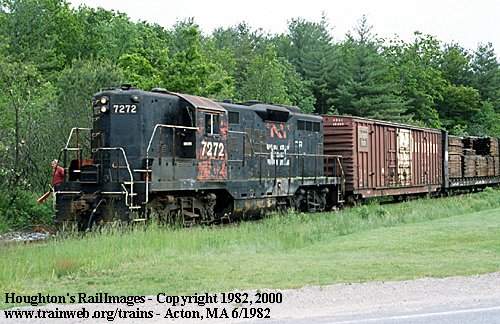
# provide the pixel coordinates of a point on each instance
(485, 122)
(459, 106)
(455, 65)
(233, 49)
(26, 111)
(265, 79)
(298, 90)
(76, 85)
(486, 74)
(44, 32)
(108, 36)
(417, 66)
(240, 50)
(367, 88)
(139, 71)
(189, 69)
(308, 47)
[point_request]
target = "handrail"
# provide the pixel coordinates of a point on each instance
(165, 126)
(67, 148)
(340, 159)
(71, 134)
(284, 155)
(128, 169)
(149, 148)
(302, 154)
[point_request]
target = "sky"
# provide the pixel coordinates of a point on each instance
(464, 21)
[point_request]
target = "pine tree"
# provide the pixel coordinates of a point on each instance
(486, 77)
(368, 88)
(455, 65)
(308, 46)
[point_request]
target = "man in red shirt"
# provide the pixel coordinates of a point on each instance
(57, 174)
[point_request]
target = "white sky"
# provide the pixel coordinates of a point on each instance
(465, 21)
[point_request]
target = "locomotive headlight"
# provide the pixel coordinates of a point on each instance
(104, 109)
(104, 100)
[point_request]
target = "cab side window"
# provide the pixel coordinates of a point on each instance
(212, 124)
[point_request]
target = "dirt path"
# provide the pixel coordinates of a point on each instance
(335, 303)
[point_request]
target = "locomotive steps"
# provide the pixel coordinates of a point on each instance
(371, 242)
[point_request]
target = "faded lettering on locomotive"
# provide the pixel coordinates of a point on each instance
(278, 146)
(212, 144)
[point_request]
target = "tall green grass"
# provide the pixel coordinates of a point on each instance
(122, 259)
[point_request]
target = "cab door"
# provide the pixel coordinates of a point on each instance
(212, 145)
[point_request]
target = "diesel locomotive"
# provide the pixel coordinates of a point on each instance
(186, 158)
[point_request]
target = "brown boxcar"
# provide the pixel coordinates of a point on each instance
(385, 159)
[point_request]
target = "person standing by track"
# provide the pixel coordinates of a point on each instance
(57, 180)
(57, 174)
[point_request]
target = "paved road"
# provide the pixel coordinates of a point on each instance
(477, 315)
(455, 300)
(481, 315)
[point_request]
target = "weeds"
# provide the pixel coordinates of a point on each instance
(64, 267)
(21, 210)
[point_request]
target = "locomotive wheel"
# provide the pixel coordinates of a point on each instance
(186, 211)
(316, 201)
(311, 200)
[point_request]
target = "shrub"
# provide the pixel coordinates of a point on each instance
(19, 209)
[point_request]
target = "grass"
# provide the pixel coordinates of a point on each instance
(430, 237)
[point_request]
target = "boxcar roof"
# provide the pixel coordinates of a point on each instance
(383, 122)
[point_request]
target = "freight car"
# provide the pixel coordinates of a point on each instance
(385, 159)
(472, 162)
(187, 158)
